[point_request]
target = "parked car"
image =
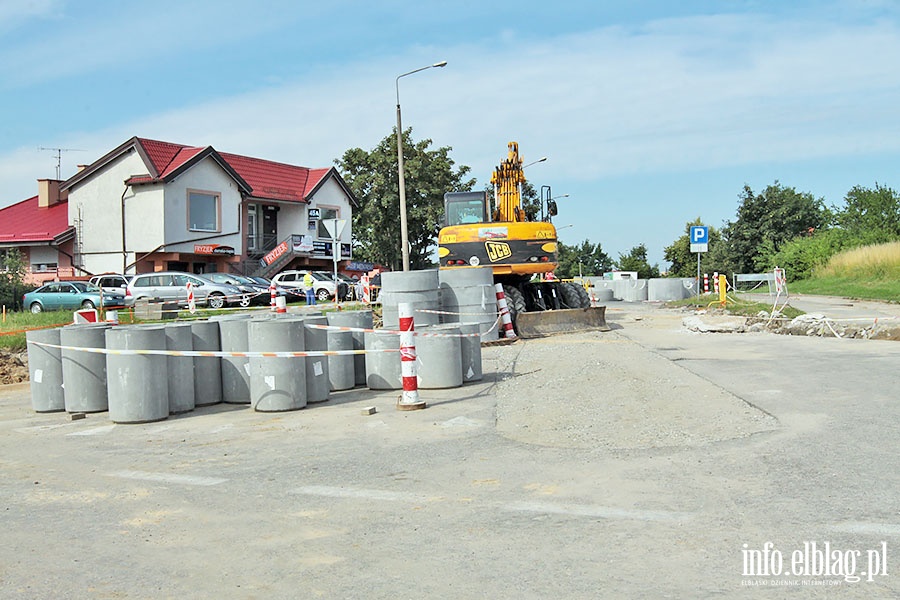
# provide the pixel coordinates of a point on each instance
(346, 286)
(112, 282)
(262, 285)
(247, 287)
(69, 295)
(293, 281)
(171, 286)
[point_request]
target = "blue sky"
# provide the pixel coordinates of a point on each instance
(651, 113)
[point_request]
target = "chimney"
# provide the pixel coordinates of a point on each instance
(48, 192)
(82, 168)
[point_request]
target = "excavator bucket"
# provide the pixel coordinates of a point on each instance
(551, 322)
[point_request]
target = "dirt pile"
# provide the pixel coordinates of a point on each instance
(13, 367)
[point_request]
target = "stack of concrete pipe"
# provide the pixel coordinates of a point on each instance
(421, 289)
(468, 295)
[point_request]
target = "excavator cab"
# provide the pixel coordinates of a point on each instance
(465, 208)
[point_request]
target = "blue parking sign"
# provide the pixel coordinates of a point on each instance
(699, 234)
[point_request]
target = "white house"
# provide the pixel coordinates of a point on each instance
(149, 205)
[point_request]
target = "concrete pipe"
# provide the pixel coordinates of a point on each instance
(468, 296)
(470, 352)
(207, 370)
(341, 372)
(318, 383)
(421, 289)
(180, 368)
(84, 373)
(438, 356)
(137, 383)
(235, 369)
(383, 368)
(360, 319)
(277, 384)
(667, 289)
(45, 371)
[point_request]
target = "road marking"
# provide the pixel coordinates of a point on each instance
(868, 528)
(366, 494)
(168, 478)
(597, 511)
(578, 510)
(94, 430)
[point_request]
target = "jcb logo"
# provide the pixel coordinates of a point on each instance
(497, 250)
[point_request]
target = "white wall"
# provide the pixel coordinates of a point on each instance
(332, 195)
(99, 199)
(207, 176)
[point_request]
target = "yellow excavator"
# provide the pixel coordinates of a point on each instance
(521, 252)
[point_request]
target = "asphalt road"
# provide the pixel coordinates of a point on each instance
(536, 483)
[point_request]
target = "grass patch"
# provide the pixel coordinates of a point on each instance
(736, 306)
(12, 334)
(867, 272)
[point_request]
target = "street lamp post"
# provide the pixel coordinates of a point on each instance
(404, 228)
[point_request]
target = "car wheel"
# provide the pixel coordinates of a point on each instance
(87, 305)
(245, 301)
(36, 308)
(322, 295)
(215, 300)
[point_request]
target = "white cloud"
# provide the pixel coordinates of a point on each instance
(685, 94)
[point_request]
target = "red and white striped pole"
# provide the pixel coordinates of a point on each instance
(706, 283)
(192, 304)
(716, 282)
(410, 398)
(505, 319)
(272, 296)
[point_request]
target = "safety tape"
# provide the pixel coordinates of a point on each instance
(397, 332)
(444, 312)
(213, 353)
(33, 329)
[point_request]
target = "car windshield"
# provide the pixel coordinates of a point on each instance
(84, 286)
(321, 276)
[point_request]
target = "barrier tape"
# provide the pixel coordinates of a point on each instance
(398, 332)
(444, 312)
(27, 329)
(214, 353)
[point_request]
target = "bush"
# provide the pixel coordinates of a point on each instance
(801, 256)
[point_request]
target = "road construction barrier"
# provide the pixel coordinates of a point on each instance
(408, 366)
(505, 318)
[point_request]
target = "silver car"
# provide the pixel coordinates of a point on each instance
(171, 286)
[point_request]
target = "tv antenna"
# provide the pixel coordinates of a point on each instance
(58, 152)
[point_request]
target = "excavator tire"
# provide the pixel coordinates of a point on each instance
(584, 297)
(570, 295)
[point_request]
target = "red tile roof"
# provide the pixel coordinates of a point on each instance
(266, 179)
(25, 221)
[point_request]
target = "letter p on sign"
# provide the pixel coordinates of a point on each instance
(699, 238)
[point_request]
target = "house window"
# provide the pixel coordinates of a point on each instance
(326, 213)
(252, 227)
(204, 211)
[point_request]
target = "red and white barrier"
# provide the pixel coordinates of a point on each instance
(273, 302)
(192, 304)
(410, 398)
(508, 330)
(705, 283)
(716, 282)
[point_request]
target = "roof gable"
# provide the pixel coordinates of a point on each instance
(258, 178)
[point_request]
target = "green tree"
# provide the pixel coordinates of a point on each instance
(764, 223)
(636, 260)
(372, 177)
(684, 262)
(873, 216)
(586, 259)
(12, 272)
